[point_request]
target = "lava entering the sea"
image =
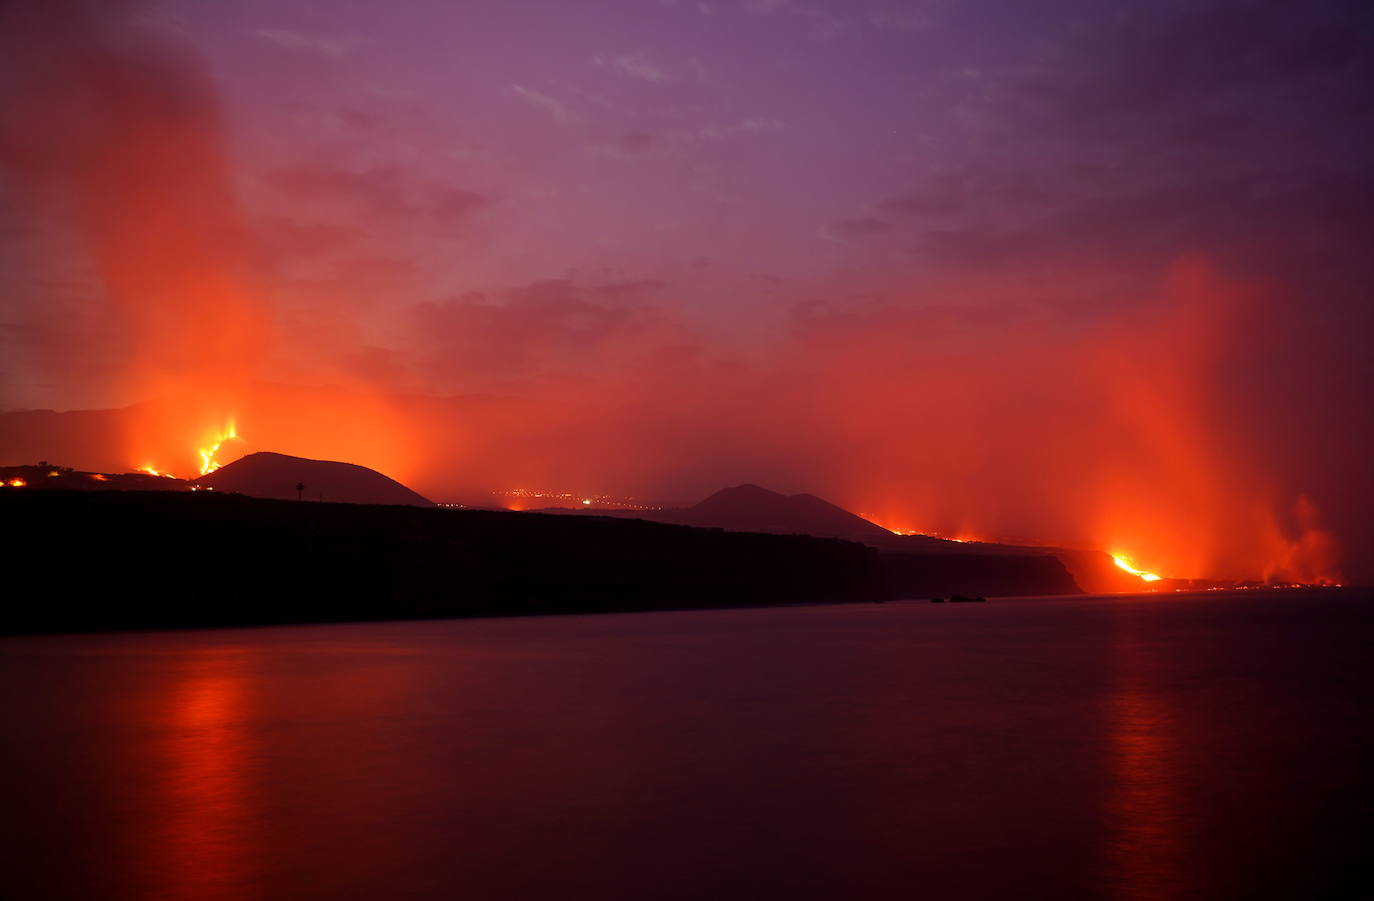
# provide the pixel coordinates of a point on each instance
(1128, 564)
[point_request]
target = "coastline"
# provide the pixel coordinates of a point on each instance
(115, 561)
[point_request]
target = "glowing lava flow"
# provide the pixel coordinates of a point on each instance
(208, 463)
(1127, 564)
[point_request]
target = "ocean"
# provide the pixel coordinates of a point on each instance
(1136, 747)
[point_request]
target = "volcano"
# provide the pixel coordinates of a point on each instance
(750, 508)
(272, 475)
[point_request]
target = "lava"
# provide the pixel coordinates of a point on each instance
(925, 534)
(208, 463)
(155, 472)
(1128, 564)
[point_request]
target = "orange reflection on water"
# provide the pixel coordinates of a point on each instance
(1144, 806)
(204, 851)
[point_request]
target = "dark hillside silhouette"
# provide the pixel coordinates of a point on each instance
(749, 508)
(283, 477)
(181, 559)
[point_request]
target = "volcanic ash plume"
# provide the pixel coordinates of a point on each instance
(107, 123)
(1306, 552)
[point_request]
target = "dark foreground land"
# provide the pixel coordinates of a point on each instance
(131, 560)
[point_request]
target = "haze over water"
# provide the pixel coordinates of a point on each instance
(1133, 747)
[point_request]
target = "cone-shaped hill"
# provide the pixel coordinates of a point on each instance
(277, 475)
(749, 508)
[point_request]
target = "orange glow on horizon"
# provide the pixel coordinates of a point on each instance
(961, 535)
(1134, 467)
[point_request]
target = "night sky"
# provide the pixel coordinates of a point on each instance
(1088, 272)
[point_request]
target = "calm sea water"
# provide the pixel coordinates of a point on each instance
(1214, 746)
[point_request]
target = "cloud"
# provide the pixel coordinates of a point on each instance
(759, 123)
(764, 7)
(551, 105)
(289, 239)
(325, 45)
(386, 193)
(967, 188)
(1143, 61)
(545, 330)
(927, 202)
(911, 16)
(635, 65)
(820, 24)
(1145, 136)
(636, 142)
(634, 288)
(857, 229)
(753, 124)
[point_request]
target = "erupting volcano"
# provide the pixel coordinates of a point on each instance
(989, 344)
(208, 463)
(797, 449)
(208, 454)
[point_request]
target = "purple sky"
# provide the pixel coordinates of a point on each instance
(747, 204)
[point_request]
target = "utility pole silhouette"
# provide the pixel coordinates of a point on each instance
(300, 489)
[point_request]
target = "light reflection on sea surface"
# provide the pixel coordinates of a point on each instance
(1146, 832)
(206, 751)
(1131, 748)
